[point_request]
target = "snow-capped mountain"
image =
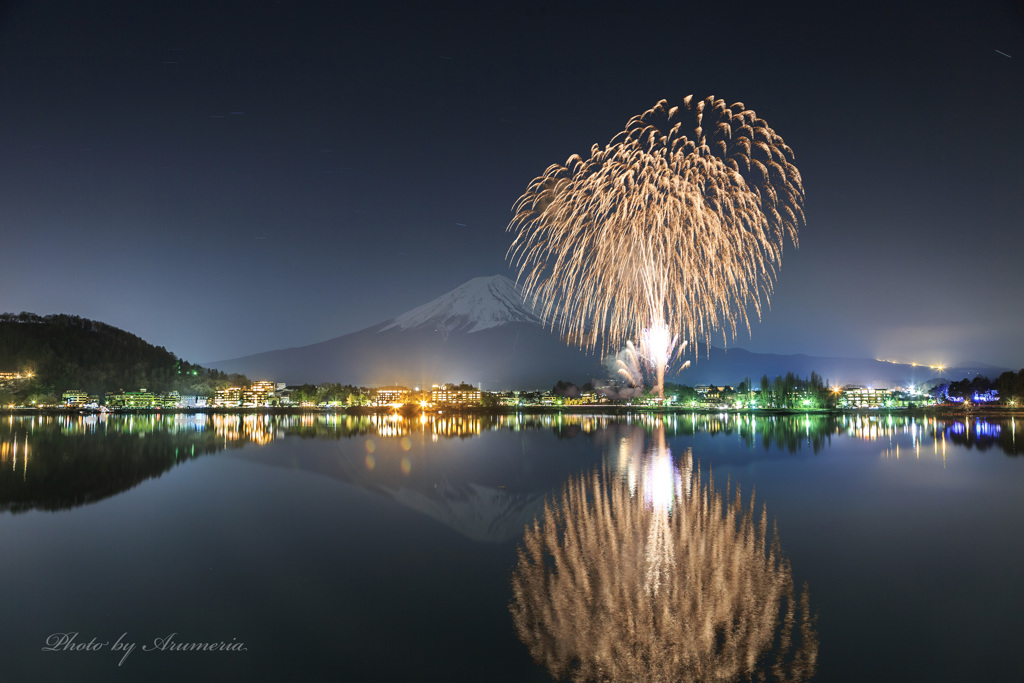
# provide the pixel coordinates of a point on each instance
(479, 304)
(481, 332)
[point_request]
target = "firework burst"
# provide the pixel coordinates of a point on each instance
(677, 224)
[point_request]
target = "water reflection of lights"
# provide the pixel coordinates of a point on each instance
(9, 450)
(984, 428)
(660, 578)
(898, 431)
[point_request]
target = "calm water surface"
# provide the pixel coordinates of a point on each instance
(387, 549)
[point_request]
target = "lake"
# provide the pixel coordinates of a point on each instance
(385, 548)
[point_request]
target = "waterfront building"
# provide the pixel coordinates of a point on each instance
(509, 398)
(140, 400)
(857, 396)
(230, 397)
(259, 393)
(392, 394)
(713, 394)
(454, 395)
(169, 400)
(74, 398)
(189, 402)
(585, 398)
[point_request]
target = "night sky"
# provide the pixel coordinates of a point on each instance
(229, 178)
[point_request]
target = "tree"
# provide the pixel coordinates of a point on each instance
(1011, 387)
(680, 393)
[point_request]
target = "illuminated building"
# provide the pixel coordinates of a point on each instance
(140, 399)
(585, 398)
(11, 377)
(856, 396)
(169, 400)
(712, 394)
(192, 401)
(393, 394)
(74, 398)
(228, 398)
(453, 395)
(509, 398)
(260, 393)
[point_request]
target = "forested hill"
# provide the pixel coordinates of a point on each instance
(68, 352)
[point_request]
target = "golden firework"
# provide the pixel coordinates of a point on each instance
(679, 222)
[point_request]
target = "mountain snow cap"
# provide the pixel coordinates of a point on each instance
(479, 304)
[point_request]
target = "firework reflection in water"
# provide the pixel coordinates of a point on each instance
(649, 574)
(676, 225)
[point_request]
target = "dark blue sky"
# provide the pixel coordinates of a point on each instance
(227, 178)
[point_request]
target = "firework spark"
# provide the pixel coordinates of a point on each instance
(649, 577)
(628, 366)
(654, 353)
(662, 228)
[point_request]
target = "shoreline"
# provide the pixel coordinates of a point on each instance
(941, 410)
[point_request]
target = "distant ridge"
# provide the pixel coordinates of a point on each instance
(482, 332)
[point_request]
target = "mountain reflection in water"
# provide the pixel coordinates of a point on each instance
(644, 572)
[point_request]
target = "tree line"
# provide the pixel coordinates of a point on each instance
(1009, 387)
(330, 393)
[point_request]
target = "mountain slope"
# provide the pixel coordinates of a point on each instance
(481, 333)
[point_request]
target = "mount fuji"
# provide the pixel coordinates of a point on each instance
(483, 333)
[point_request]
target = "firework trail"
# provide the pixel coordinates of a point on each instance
(678, 223)
(654, 354)
(653, 576)
(628, 366)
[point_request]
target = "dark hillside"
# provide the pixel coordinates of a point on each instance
(68, 352)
